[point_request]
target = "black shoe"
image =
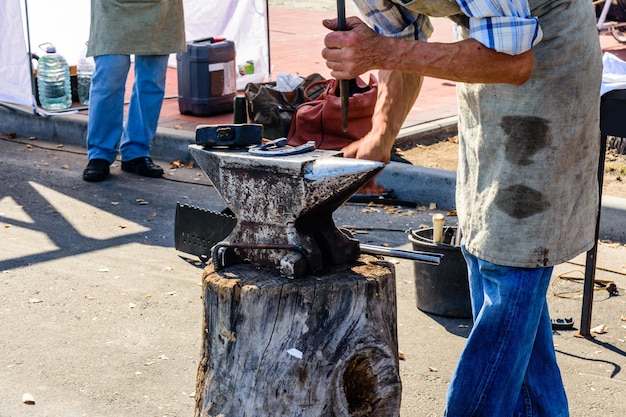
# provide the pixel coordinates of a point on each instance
(143, 166)
(97, 170)
(563, 324)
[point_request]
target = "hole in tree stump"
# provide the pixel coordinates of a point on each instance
(360, 385)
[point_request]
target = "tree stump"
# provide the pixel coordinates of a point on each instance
(314, 346)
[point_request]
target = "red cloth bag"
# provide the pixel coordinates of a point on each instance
(320, 121)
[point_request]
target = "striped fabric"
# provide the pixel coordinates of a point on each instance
(391, 19)
(503, 25)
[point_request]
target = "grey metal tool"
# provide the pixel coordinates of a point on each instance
(278, 147)
(344, 85)
(419, 256)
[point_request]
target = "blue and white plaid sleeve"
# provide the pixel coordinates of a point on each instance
(391, 19)
(503, 25)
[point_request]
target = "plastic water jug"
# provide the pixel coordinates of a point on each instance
(53, 81)
(84, 72)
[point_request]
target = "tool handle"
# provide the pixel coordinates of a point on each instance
(438, 220)
(344, 85)
(341, 15)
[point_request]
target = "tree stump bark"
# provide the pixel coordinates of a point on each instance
(314, 346)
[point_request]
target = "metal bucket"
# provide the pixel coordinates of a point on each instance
(441, 289)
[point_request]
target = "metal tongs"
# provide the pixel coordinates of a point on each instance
(344, 85)
(278, 147)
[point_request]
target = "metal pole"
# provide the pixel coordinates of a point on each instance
(30, 57)
(431, 258)
(267, 29)
(590, 262)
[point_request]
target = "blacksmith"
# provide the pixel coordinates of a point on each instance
(528, 76)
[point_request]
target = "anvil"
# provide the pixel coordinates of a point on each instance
(284, 206)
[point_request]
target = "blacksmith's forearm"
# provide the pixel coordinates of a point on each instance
(464, 61)
(396, 96)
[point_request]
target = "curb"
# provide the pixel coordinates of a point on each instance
(427, 133)
(420, 185)
(437, 186)
(613, 219)
(69, 129)
(168, 144)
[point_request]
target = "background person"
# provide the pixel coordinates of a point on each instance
(151, 30)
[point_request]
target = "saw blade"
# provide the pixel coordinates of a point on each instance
(197, 230)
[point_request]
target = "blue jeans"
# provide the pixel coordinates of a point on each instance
(508, 367)
(106, 106)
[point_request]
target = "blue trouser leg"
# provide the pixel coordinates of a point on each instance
(543, 391)
(106, 106)
(106, 109)
(508, 367)
(145, 106)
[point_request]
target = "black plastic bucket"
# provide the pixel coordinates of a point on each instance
(441, 289)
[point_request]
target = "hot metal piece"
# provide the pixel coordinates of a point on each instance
(284, 207)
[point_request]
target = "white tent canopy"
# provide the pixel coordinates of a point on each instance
(65, 24)
(14, 64)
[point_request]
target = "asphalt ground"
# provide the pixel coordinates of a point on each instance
(102, 315)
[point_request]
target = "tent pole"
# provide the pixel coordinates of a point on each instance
(267, 27)
(30, 56)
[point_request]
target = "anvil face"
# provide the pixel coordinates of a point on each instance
(284, 207)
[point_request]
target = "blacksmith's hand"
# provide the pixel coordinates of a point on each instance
(369, 147)
(354, 51)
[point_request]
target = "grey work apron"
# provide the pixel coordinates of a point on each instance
(527, 187)
(141, 27)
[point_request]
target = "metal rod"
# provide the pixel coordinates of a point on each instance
(590, 262)
(267, 36)
(344, 85)
(30, 58)
(424, 257)
(605, 11)
(341, 15)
